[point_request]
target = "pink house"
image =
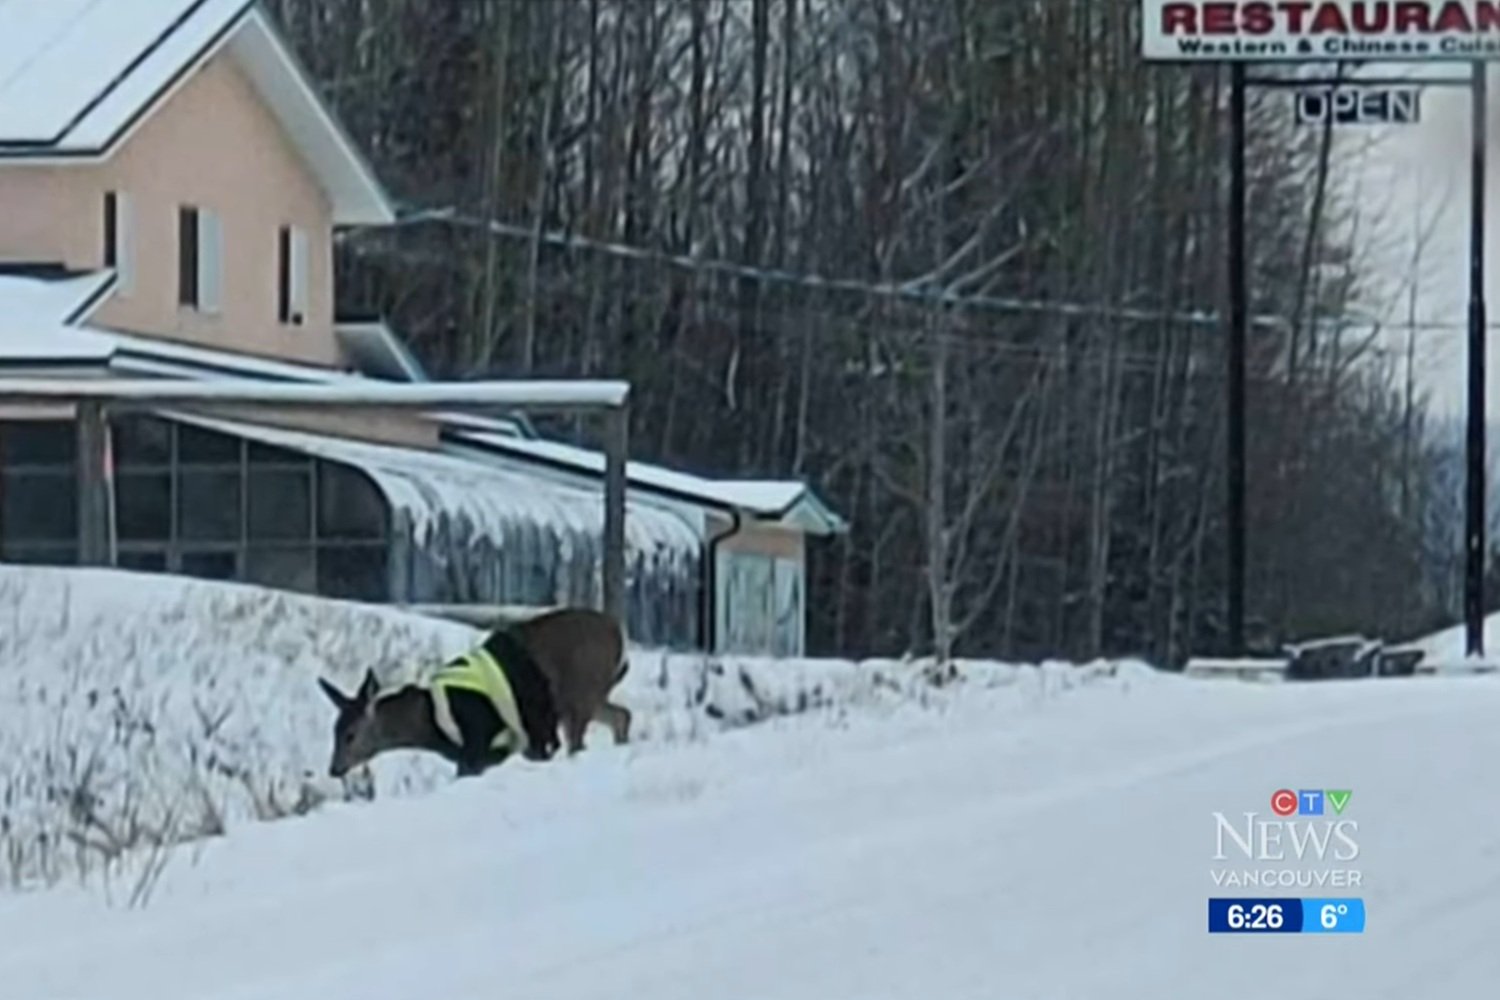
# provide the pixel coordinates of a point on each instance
(170, 186)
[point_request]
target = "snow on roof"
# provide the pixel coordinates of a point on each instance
(791, 501)
(37, 322)
(150, 356)
(77, 76)
(427, 484)
(63, 61)
(35, 313)
(378, 351)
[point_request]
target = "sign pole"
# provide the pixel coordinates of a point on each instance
(1474, 543)
(1238, 312)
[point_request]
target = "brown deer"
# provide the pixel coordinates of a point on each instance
(509, 695)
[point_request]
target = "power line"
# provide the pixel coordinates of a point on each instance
(906, 291)
(911, 291)
(899, 343)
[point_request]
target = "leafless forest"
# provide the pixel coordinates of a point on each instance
(955, 262)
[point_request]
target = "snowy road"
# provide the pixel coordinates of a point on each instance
(1063, 852)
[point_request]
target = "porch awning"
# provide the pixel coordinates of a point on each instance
(428, 486)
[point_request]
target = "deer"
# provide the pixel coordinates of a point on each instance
(509, 695)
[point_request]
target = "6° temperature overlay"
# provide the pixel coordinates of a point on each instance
(1286, 916)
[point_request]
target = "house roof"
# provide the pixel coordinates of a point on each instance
(34, 319)
(788, 502)
(78, 76)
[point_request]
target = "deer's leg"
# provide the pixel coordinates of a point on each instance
(617, 718)
(574, 724)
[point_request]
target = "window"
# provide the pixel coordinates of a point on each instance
(291, 276)
(188, 500)
(349, 504)
(144, 560)
(280, 504)
(355, 574)
(208, 505)
(289, 567)
(199, 259)
(187, 256)
(210, 565)
(197, 446)
(38, 505)
(42, 555)
(38, 492)
(202, 503)
(118, 252)
(38, 442)
(143, 506)
(142, 442)
(111, 229)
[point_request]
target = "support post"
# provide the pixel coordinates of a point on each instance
(616, 448)
(1474, 535)
(93, 487)
(1238, 314)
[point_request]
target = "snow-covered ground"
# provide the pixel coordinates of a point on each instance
(1027, 834)
(1446, 650)
(139, 707)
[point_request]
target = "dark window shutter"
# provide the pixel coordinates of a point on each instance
(187, 256)
(111, 230)
(284, 276)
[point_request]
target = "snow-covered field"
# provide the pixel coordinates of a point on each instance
(1027, 834)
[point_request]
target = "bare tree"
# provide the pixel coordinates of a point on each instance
(949, 259)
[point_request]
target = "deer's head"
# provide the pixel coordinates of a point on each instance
(357, 735)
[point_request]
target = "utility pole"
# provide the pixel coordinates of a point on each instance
(1238, 313)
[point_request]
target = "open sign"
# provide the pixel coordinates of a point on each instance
(1359, 105)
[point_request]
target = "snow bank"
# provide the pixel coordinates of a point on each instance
(1034, 848)
(1446, 650)
(139, 708)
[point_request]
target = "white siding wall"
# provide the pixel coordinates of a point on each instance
(759, 604)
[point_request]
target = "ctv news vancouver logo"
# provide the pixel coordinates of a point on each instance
(1305, 841)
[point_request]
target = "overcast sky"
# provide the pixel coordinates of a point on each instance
(1413, 184)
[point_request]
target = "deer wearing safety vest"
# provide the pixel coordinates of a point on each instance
(508, 695)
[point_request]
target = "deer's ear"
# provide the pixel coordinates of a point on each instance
(370, 688)
(339, 699)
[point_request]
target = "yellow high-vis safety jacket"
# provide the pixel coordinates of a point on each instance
(480, 672)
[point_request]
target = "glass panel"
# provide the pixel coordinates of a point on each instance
(210, 565)
(144, 560)
(143, 506)
(349, 504)
(288, 568)
(42, 555)
(265, 454)
(537, 567)
(355, 573)
(38, 442)
(196, 446)
(280, 504)
(142, 441)
(38, 507)
(208, 506)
